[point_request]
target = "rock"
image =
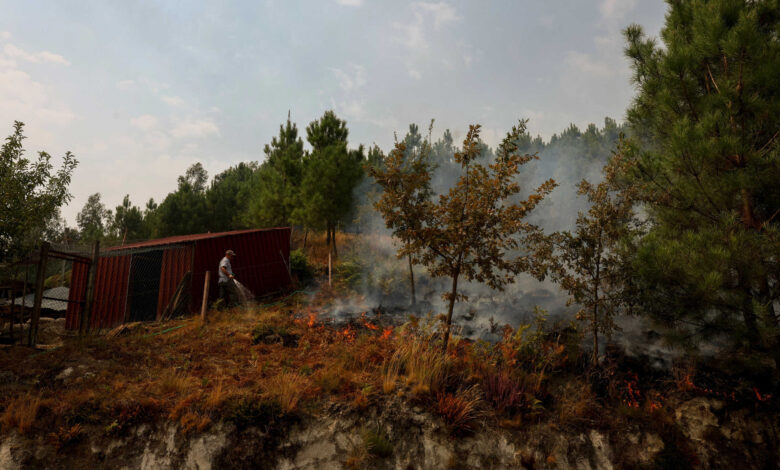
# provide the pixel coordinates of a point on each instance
(696, 418)
(204, 449)
(65, 374)
(7, 457)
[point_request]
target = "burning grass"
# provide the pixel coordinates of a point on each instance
(257, 367)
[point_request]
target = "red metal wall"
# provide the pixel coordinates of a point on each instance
(175, 263)
(260, 263)
(77, 293)
(110, 302)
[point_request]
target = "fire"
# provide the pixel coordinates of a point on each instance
(348, 333)
(633, 395)
(387, 333)
(312, 320)
(761, 397)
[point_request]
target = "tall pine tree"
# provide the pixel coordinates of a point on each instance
(705, 165)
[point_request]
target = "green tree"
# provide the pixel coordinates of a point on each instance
(705, 165)
(276, 191)
(331, 173)
(470, 231)
(128, 222)
(588, 262)
(227, 199)
(184, 211)
(31, 193)
(94, 219)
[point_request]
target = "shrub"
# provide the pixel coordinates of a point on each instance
(460, 410)
(426, 368)
(376, 442)
(287, 389)
(300, 266)
(21, 413)
(503, 391)
(270, 334)
(247, 412)
(349, 272)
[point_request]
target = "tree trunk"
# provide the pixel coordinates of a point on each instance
(411, 281)
(453, 296)
(305, 235)
(595, 319)
(327, 235)
(333, 240)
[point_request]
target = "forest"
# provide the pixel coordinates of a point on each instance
(670, 218)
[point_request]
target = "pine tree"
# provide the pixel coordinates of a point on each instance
(94, 219)
(331, 172)
(276, 191)
(705, 165)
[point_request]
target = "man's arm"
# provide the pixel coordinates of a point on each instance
(225, 272)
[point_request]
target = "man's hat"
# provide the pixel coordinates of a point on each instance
(230, 252)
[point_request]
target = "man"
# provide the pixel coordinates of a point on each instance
(227, 286)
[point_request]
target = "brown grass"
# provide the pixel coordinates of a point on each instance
(287, 389)
(21, 413)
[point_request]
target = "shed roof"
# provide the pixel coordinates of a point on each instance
(51, 304)
(188, 238)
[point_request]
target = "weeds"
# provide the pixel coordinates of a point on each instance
(376, 442)
(287, 389)
(21, 413)
(460, 410)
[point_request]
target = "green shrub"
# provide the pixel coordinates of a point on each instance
(248, 412)
(349, 272)
(300, 266)
(377, 443)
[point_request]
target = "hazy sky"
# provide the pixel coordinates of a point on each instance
(141, 90)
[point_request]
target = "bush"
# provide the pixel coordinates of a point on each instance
(349, 272)
(247, 412)
(300, 266)
(270, 334)
(460, 410)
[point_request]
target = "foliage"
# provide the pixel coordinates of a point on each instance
(277, 187)
(300, 265)
(30, 194)
(376, 442)
(247, 412)
(331, 172)
(461, 409)
(128, 222)
(472, 229)
(588, 263)
(705, 167)
(228, 197)
(94, 219)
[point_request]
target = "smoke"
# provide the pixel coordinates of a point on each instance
(568, 159)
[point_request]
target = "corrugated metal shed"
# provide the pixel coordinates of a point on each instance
(137, 281)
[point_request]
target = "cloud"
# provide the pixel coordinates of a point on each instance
(616, 9)
(350, 81)
(125, 85)
(172, 101)
(582, 63)
(442, 13)
(414, 74)
(195, 128)
(25, 99)
(350, 3)
(38, 57)
(412, 34)
(5, 35)
(144, 122)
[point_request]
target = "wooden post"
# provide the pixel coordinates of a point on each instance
(205, 304)
(32, 337)
(86, 313)
(329, 270)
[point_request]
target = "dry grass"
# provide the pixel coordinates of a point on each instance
(460, 410)
(21, 413)
(287, 389)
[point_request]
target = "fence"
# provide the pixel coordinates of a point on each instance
(38, 283)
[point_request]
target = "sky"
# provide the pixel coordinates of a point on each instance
(140, 90)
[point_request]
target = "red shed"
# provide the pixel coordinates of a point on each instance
(137, 282)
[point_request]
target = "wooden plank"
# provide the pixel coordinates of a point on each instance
(32, 337)
(204, 304)
(86, 312)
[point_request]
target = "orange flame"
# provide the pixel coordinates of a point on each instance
(760, 396)
(387, 333)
